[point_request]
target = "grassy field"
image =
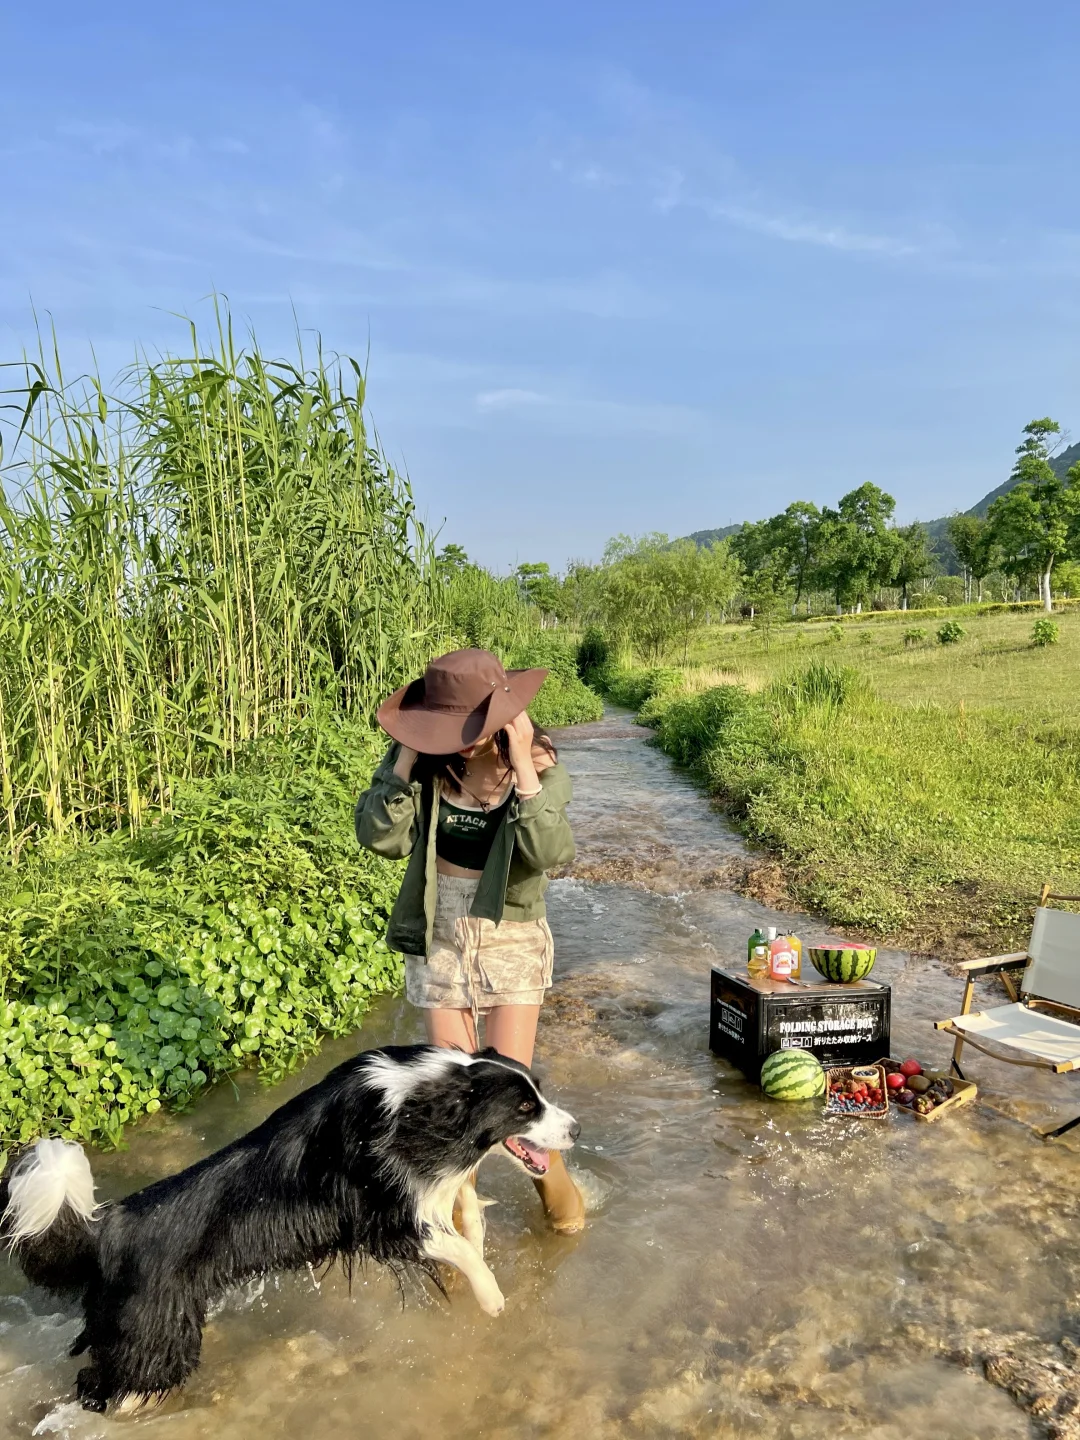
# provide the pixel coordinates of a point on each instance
(995, 665)
(919, 792)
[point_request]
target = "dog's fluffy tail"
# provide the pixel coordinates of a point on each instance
(48, 1207)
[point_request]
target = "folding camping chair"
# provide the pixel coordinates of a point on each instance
(1041, 1027)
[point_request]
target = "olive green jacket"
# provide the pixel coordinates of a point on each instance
(393, 818)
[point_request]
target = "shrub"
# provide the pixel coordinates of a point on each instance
(593, 654)
(633, 687)
(691, 725)
(836, 633)
(951, 632)
(819, 684)
(1045, 632)
(915, 636)
(564, 698)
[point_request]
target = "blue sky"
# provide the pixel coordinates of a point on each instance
(620, 267)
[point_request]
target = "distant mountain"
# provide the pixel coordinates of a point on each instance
(1060, 465)
(938, 530)
(709, 537)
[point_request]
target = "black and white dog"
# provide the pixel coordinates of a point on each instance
(366, 1164)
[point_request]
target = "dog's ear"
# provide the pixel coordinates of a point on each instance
(488, 1053)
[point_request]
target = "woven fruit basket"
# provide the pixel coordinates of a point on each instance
(834, 1100)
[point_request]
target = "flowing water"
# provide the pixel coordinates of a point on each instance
(750, 1269)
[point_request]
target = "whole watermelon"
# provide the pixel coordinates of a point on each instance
(849, 962)
(792, 1075)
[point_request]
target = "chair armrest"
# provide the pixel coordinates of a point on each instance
(993, 963)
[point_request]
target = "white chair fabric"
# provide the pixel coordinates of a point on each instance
(1031, 1031)
(1054, 971)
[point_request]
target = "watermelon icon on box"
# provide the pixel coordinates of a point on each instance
(844, 964)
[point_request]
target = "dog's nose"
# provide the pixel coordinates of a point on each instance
(575, 1130)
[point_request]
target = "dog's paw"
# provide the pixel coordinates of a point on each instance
(492, 1302)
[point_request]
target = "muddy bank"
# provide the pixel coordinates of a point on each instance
(749, 1270)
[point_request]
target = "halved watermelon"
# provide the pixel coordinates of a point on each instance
(847, 963)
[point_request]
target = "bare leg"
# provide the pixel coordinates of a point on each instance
(456, 1251)
(512, 1030)
(468, 1214)
(453, 1029)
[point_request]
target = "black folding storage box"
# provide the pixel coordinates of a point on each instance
(840, 1024)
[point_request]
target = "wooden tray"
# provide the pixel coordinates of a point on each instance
(872, 1112)
(964, 1091)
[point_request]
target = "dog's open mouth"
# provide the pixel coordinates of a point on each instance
(535, 1160)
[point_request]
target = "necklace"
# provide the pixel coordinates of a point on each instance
(486, 805)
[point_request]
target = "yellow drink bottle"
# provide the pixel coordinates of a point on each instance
(757, 967)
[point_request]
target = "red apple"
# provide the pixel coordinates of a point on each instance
(911, 1067)
(895, 1082)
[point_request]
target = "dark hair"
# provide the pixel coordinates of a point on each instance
(452, 767)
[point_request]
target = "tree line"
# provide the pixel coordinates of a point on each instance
(855, 551)
(1032, 530)
(651, 594)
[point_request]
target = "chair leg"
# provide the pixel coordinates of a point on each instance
(956, 1050)
(965, 1007)
(1053, 1134)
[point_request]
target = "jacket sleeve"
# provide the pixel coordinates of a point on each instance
(543, 837)
(387, 814)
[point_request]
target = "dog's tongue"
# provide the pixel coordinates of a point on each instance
(537, 1157)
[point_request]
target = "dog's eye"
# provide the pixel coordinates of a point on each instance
(527, 1106)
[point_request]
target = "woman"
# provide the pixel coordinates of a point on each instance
(476, 799)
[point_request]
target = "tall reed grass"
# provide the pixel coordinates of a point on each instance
(200, 556)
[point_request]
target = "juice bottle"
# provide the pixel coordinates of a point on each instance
(757, 961)
(754, 964)
(781, 958)
(796, 957)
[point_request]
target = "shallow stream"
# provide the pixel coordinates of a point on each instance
(750, 1269)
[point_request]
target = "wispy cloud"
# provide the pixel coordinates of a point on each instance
(800, 230)
(653, 146)
(561, 411)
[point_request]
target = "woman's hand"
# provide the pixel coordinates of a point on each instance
(403, 765)
(519, 739)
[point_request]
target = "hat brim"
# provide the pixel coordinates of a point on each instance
(405, 717)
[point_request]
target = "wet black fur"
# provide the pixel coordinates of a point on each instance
(309, 1186)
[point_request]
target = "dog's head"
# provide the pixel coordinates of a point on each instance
(454, 1108)
(510, 1114)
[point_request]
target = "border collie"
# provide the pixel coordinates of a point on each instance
(365, 1165)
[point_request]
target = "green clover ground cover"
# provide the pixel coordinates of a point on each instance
(136, 970)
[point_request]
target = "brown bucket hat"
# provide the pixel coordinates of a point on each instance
(461, 699)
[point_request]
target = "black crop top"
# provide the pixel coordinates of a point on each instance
(464, 837)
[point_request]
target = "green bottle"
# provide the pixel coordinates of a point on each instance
(756, 965)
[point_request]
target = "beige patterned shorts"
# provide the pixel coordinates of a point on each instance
(475, 964)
